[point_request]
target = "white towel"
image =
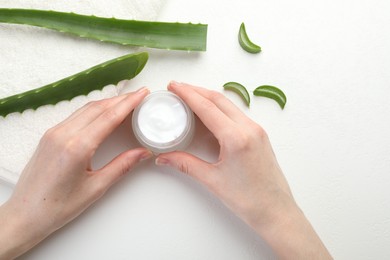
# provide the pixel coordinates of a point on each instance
(31, 57)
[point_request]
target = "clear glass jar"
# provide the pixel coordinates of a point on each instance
(162, 122)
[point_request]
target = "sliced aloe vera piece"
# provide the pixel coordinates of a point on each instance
(95, 78)
(240, 90)
(245, 42)
(271, 92)
(173, 36)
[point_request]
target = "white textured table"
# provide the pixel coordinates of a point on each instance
(332, 59)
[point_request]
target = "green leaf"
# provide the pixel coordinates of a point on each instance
(95, 78)
(245, 42)
(273, 93)
(239, 89)
(173, 36)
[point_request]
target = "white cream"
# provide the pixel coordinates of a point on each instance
(162, 119)
(163, 122)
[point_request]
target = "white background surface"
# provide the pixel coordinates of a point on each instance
(332, 59)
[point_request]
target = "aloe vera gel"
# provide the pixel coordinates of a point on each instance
(163, 122)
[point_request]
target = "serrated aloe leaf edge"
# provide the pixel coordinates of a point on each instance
(171, 36)
(94, 78)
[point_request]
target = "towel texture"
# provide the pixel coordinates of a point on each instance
(31, 57)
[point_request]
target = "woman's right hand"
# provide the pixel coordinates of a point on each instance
(59, 183)
(246, 177)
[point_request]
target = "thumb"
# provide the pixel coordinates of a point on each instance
(121, 164)
(188, 164)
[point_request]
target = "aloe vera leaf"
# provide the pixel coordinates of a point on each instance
(95, 78)
(173, 36)
(245, 42)
(273, 93)
(240, 90)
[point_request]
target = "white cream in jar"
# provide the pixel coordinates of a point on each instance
(163, 122)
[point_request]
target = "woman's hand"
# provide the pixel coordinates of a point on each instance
(246, 177)
(58, 183)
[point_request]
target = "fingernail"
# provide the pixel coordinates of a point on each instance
(145, 156)
(142, 90)
(173, 84)
(161, 161)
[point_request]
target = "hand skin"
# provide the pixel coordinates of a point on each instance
(246, 176)
(58, 183)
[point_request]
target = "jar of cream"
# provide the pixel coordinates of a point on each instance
(163, 122)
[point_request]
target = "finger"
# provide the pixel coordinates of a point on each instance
(121, 165)
(112, 117)
(213, 118)
(87, 113)
(188, 164)
(223, 103)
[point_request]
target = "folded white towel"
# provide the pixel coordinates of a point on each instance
(31, 57)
